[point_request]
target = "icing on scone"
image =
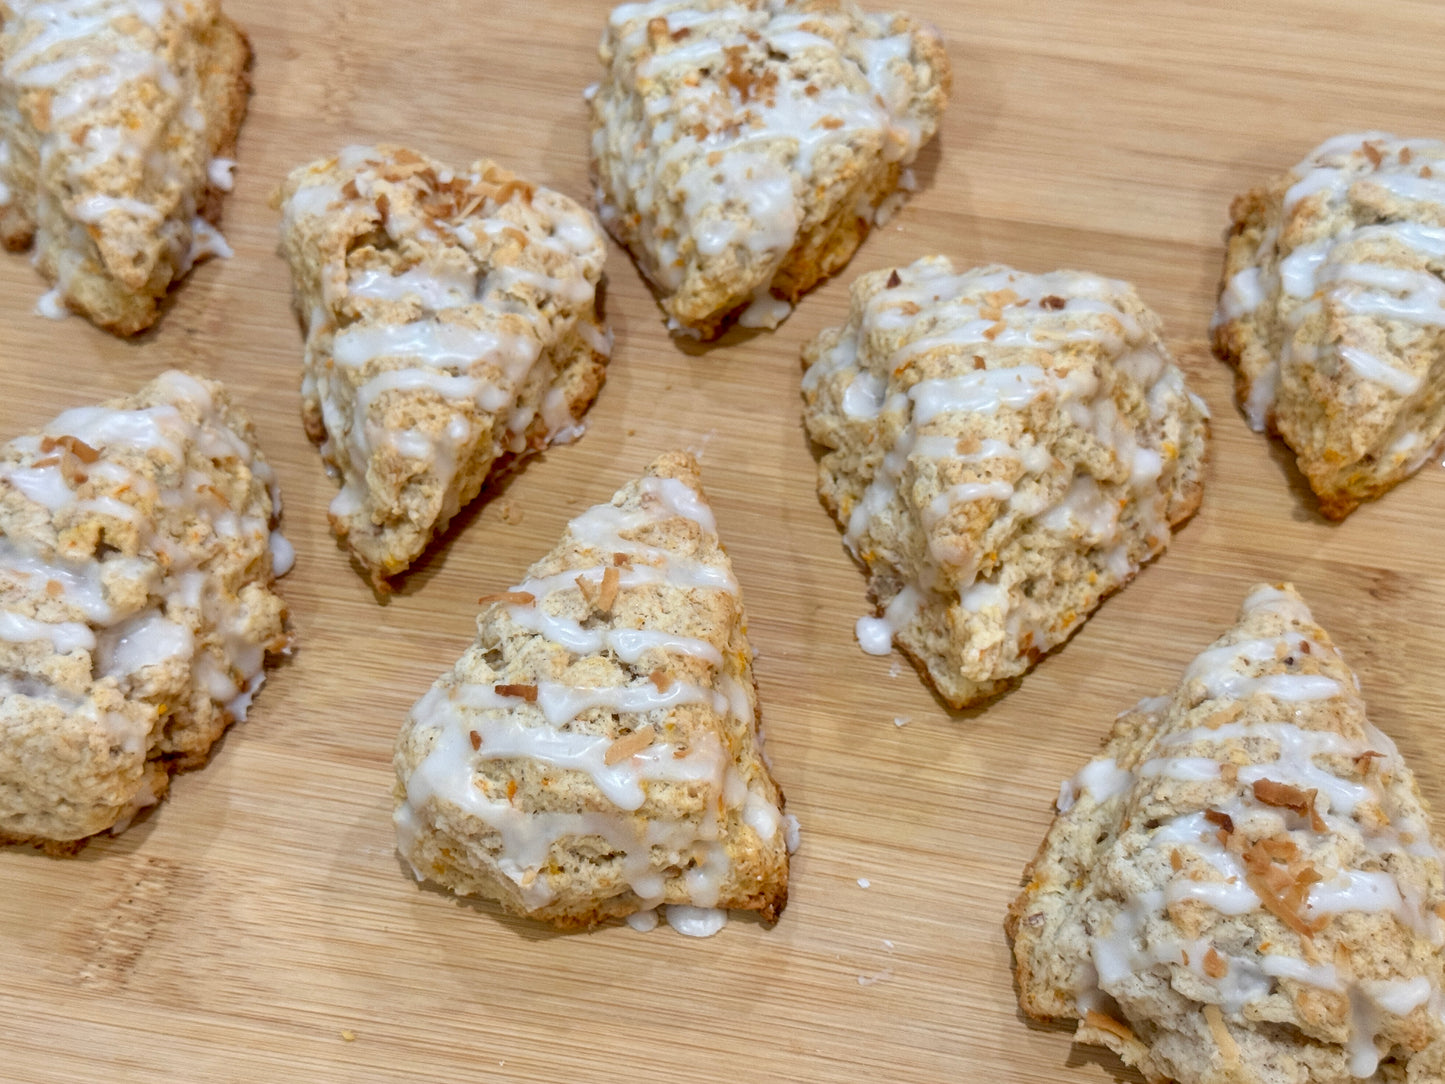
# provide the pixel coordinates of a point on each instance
(445, 345)
(955, 406)
(727, 134)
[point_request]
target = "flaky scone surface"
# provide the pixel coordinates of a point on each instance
(742, 149)
(137, 560)
(451, 327)
(596, 752)
(117, 122)
(1242, 888)
(1003, 450)
(1332, 310)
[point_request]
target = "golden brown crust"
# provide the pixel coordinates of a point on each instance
(1327, 312)
(742, 175)
(1198, 903)
(451, 331)
(1003, 452)
(596, 752)
(141, 228)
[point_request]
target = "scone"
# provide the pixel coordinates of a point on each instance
(1242, 888)
(595, 753)
(451, 327)
(137, 561)
(742, 149)
(118, 119)
(1002, 450)
(1332, 310)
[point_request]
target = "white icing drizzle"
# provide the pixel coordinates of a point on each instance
(458, 337)
(731, 164)
(1353, 269)
(994, 307)
(1140, 938)
(509, 729)
(114, 99)
(71, 604)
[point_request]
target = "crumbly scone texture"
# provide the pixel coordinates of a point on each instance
(118, 119)
(1332, 311)
(596, 752)
(742, 149)
(451, 328)
(1242, 887)
(1003, 450)
(136, 602)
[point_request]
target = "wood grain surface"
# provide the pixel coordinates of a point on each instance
(259, 924)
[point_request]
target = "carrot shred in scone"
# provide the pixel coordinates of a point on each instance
(629, 745)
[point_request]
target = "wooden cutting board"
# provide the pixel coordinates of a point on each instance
(259, 924)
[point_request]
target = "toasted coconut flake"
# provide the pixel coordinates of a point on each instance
(1282, 881)
(1286, 796)
(1219, 819)
(630, 745)
(524, 692)
(1372, 152)
(476, 740)
(588, 589)
(893, 279)
(621, 560)
(74, 445)
(1103, 1022)
(607, 593)
(511, 598)
(1228, 1048)
(1053, 302)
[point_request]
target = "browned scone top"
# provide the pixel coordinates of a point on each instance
(137, 567)
(1003, 450)
(1243, 888)
(742, 150)
(595, 753)
(451, 329)
(1332, 311)
(118, 120)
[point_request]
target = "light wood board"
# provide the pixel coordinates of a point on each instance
(261, 916)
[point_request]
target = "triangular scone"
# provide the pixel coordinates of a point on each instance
(1003, 450)
(451, 327)
(137, 560)
(117, 119)
(596, 752)
(743, 150)
(1332, 310)
(1242, 888)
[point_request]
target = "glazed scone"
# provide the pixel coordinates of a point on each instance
(742, 149)
(118, 120)
(137, 561)
(451, 327)
(1242, 888)
(596, 752)
(1002, 450)
(1332, 310)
